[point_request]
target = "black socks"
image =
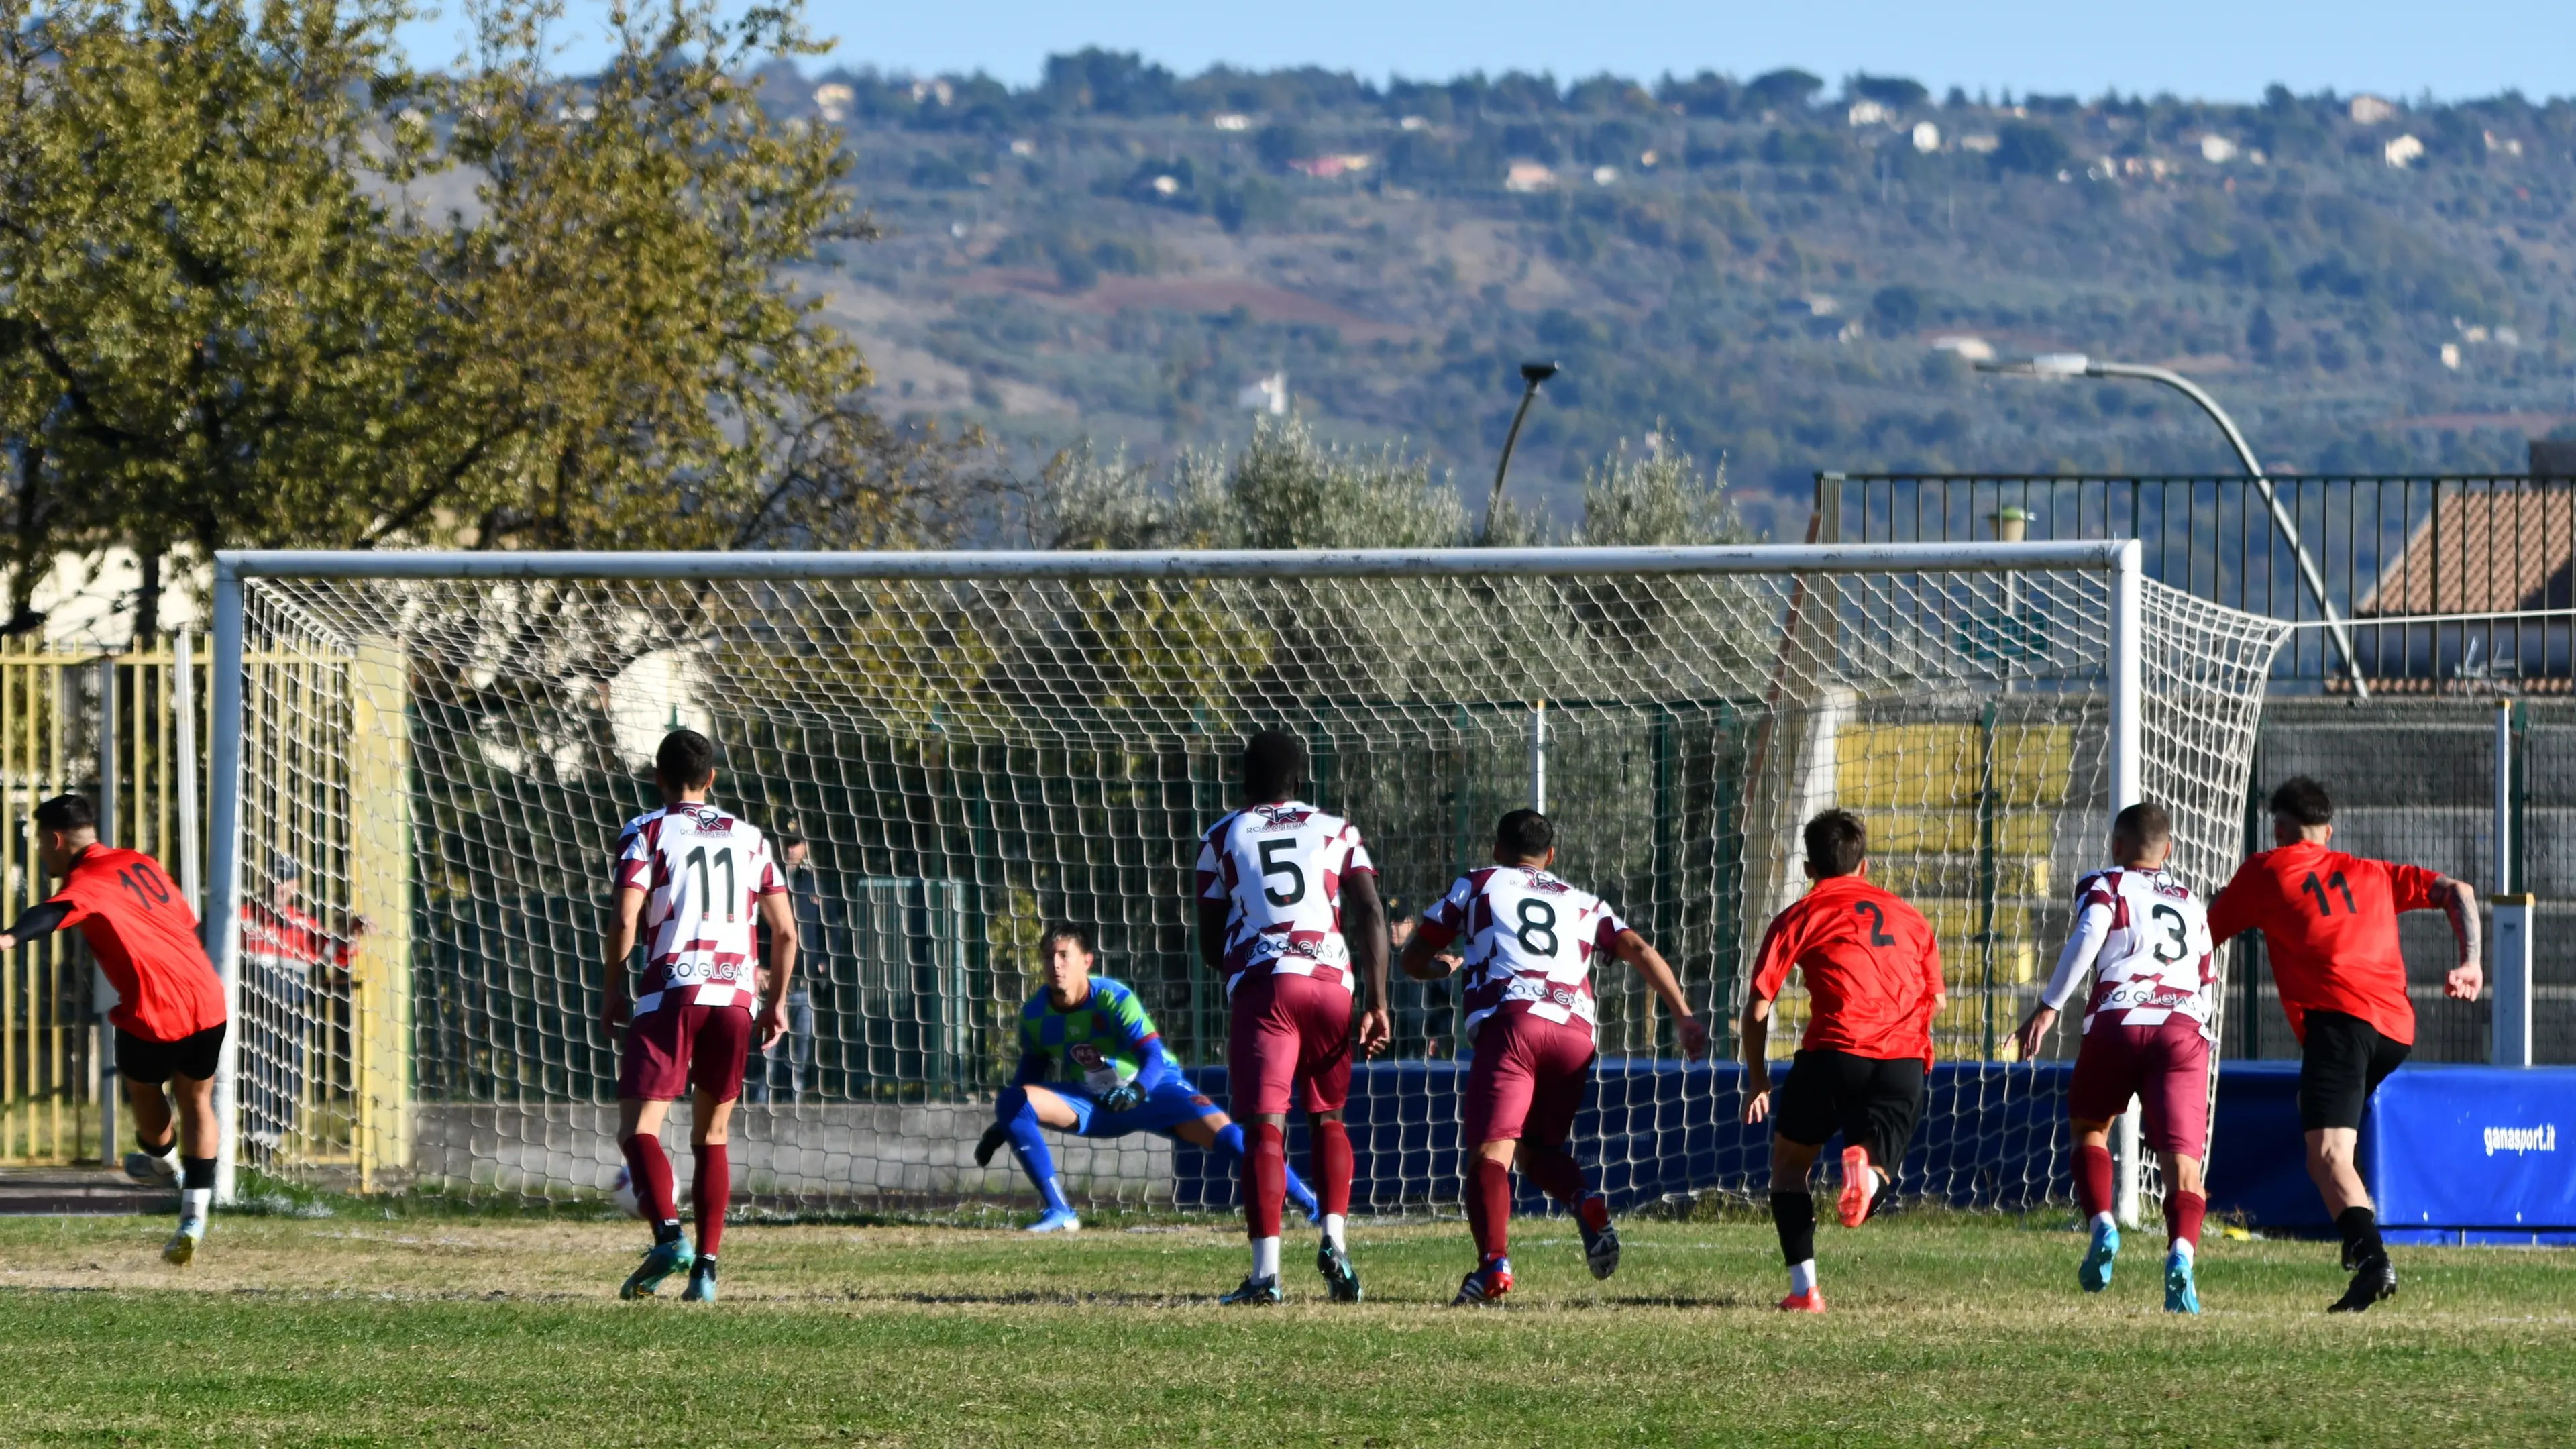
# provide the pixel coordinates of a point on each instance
(197, 1172)
(2360, 1229)
(1794, 1214)
(666, 1232)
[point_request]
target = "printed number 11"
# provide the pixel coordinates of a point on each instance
(2325, 907)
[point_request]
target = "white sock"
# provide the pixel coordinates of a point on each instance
(2183, 1247)
(193, 1203)
(1265, 1258)
(1334, 1223)
(2103, 1220)
(1802, 1278)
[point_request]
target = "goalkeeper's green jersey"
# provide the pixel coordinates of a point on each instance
(1103, 1043)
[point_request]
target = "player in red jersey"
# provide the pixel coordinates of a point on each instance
(2329, 924)
(1531, 938)
(696, 878)
(169, 1014)
(1873, 975)
(1288, 911)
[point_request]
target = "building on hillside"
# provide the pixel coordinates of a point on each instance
(1265, 395)
(2369, 110)
(2403, 152)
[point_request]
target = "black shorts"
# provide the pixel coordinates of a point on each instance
(2343, 1061)
(194, 1057)
(1873, 1101)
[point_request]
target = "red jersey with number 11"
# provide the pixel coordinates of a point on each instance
(1871, 966)
(2329, 924)
(144, 935)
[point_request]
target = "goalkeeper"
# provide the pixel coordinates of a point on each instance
(1088, 1040)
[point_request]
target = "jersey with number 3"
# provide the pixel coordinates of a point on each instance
(1279, 869)
(703, 873)
(2146, 937)
(1530, 942)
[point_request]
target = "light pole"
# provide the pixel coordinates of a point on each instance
(2076, 364)
(1532, 374)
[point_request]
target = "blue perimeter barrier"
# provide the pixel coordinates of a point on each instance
(2452, 1154)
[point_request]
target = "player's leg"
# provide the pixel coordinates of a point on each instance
(1324, 1074)
(145, 1065)
(1564, 1072)
(719, 1051)
(1496, 1111)
(1881, 1101)
(1802, 1118)
(2174, 1106)
(2343, 1062)
(190, 1066)
(1215, 1132)
(1022, 1113)
(651, 1074)
(2097, 1092)
(1261, 1065)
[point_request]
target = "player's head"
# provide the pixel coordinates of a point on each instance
(66, 825)
(1837, 844)
(1274, 766)
(685, 765)
(2142, 836)
(2302, 810)
(792, 848)
(1066, 949)
(285, 879)
(1524, 838)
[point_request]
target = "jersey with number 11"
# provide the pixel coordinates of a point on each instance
(703, 872)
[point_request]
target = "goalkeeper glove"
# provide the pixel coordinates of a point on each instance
(1125, 1097)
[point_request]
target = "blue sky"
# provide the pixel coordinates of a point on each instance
(2214, 49)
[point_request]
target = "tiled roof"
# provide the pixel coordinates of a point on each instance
(2482, 552)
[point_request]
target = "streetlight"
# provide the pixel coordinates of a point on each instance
(2076, 364)
(1532, 374)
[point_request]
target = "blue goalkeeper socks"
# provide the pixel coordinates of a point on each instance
(1028, 1144)
(1229, 1145)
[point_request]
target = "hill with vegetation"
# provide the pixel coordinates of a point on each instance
(1774, 272)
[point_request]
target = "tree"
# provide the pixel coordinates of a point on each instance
(1894, 91)
(1896, 309)
(2030, 147)
(1781, 90)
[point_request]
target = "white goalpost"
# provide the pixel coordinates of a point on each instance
(420, 762)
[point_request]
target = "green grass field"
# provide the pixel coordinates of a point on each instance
(1945, 1330)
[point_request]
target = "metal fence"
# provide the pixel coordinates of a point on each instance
(2382, 547)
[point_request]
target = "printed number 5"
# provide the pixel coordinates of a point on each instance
(1271, 865)
(1877, 923)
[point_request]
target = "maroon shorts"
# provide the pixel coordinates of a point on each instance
(677, 1047)
(1528, 1078)
(1288, 1032)
(2165, 1066)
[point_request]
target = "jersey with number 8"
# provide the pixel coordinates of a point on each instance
(1530, 940)
(2146, 936)
(703, 872)
(1279, 869)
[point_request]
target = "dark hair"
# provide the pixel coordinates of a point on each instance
(1065, 931)
(2303, 800)
(1274, 765)
(1836, 843)
(686, 760)
(789, 833)
(67, 813)
(2145, 822)
(1523, 835)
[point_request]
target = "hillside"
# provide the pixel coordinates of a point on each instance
(1763, 270)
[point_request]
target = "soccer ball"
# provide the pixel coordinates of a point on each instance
(621, 1191)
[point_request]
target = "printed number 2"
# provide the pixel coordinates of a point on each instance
(1877, 923)
(2325, 908)
(1271, 865)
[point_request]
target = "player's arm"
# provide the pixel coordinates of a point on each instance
(1143, 1041)
(41, 920)
(1650, 966)
(1364, 930)
(625, 909)
(1422, 960)
(1753, 1033)
(778, 913)
(2083, 947)
(2459, 902)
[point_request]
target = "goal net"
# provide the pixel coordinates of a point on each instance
(423, 763)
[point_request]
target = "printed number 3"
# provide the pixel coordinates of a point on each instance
(2180, 942)
(1271, 865)
(1877, 923)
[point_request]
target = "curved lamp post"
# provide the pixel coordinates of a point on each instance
(1532, 374)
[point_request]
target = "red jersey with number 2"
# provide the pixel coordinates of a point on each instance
(144, 935)
(1872, 969)
(2329, 924)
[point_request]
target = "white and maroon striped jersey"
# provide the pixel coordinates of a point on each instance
(1279, 869)
(1530, 942)
(2145, 937)
(703, 873)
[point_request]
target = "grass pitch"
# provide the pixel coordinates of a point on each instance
(1944, 1330)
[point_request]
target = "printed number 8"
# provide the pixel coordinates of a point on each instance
(1538, 924)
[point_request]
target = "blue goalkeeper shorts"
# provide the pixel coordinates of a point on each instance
(1164, 1108)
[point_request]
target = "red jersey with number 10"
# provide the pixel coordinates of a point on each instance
(144, 935)
(1872, 969)
(2329, 924)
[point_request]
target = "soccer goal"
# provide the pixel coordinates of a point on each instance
(422, 762)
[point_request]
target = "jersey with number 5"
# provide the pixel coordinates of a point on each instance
(2146, 938)
(703, 873)
(1279, 869)
(1530, 942)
